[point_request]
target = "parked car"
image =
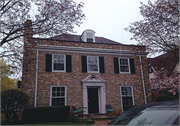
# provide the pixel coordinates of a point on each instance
(156, 113)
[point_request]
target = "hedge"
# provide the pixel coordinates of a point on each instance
(165, 98)
(45, 114)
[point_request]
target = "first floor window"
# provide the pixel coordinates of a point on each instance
(58, 95)
(127, 96)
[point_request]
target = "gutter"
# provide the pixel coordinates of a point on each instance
(142, 76)
(35, 95)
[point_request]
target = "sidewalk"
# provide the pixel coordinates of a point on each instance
(101, 122)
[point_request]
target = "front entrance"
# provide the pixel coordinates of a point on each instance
(94, 94)
(93, 100)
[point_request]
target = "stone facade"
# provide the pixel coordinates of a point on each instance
(37, 83)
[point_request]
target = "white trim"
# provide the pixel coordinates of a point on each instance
(127, 96)
(120, 65)
(97, 65)
(70, 49)
(53, 63)
(142, 75)
(36, 81)
(51, 93)
(100, 84)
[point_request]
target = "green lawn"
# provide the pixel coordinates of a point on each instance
(78, 122)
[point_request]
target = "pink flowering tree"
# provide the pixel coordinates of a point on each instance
(165, 84)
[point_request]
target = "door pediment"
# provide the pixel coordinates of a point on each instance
(93, 79)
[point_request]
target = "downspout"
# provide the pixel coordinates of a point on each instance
(142, 76)
(35, 97)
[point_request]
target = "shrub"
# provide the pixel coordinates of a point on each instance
(11, 101)
(3, 118)
(165, 98)
(128, 107)
(72, 118)
(45, 114)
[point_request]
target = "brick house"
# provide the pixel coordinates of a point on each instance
(84, 71)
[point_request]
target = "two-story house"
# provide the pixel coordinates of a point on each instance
(84, 71)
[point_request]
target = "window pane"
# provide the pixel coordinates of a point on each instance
(53, 88)
(58, 58)
(62, 94)
(58, 66)
(92, 67)
(62, 101)
(126, 91)
(89, 40)
(58, 88)
(92, 60)
(53, 94)
(58, 101)
(124, 68)
(55, 58)
(62, 88)
(92, 63)
(58, 93)
(127, 101)
(124, 62)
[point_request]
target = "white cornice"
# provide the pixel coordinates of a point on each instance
(70, 49)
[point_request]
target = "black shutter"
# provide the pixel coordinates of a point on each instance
(48, 62)
(116, 65)
(84, 63)
(101, 64)
(132, 66)
(68, 63)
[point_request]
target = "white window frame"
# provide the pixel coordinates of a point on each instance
(121, 65)
(58, 97)
(126, 96)
(53, 63)
(97, 64)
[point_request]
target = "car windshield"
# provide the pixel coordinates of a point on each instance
(165, 113)
(154, 117)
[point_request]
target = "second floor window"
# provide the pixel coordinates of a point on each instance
(58, 62)
(93, 64)
(124, 65)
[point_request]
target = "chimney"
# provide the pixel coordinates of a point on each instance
(28, 33)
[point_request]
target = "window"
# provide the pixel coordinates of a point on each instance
(58, 63)
(127, 98)
(89, 40)
(58, 95)
(124, 65)
(93, 64)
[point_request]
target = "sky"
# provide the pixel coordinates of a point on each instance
(108, 18)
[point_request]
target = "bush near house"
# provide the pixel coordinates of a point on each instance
(11, 101)
(45, 114)
(165, 98)
(128, 107)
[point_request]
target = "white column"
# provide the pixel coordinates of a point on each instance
(85, 99)
(103, 98)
